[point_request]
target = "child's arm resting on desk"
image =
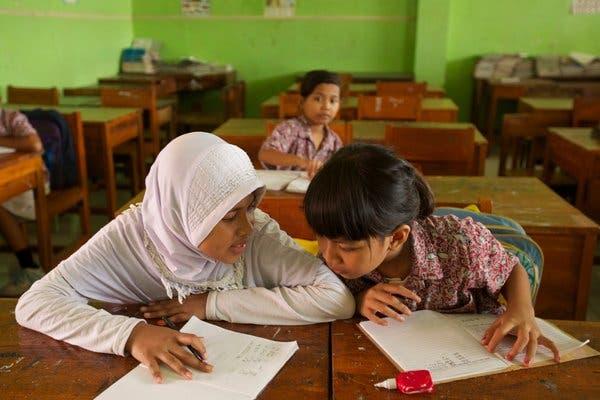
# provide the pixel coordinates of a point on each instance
(518, 318)
(285, 284)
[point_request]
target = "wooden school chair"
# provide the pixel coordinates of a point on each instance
(23, 95)
(289, 104)
(345, 82)
(405, 108)
(391, 88)
(439, 151)
(586, 111)
(234, 106)
(523, 140)
(343, 129)
(144, 97)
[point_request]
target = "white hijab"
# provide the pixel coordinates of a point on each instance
(196, 179)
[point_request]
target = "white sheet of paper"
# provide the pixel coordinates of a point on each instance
(243, 366)
(276, 180)
(298, 185)
(6, 150)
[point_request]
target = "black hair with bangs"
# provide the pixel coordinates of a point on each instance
(314, 78)
(365, 191)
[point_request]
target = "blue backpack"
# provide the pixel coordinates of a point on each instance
(513, 238)
(59, 151)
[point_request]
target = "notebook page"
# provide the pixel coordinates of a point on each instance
(243, 366)
(427, 340)
(276, 180)
(476, 325)
(298, 185)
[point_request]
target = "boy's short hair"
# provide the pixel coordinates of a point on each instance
(314, 78)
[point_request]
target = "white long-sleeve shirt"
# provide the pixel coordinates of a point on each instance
(281, 285)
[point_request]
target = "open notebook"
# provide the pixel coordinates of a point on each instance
(290, 181)
(6, 150)
(243, 366)
(448, 345)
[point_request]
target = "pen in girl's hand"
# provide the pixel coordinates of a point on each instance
(195, 352)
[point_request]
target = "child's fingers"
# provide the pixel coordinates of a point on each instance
(499, 333)
(402, 291)
(544, 341)
(175, 364)
(489, 332)
(389, 312)
(393, 301)
(519, 345)
(196, 342)
(181, 317)
(531, 348)
(370, 314)
(154, 370)
(190, 360)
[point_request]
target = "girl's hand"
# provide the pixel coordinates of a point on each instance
(150, 344)
(519, 321)
(382, 298)
(193, 305)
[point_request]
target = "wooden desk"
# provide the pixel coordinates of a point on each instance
(357, 365)
(374, 132)
(41, 367)
(20, 172)
(566, 236)
(577, 153)
(356, 89)
(95, 101)
(561, 108)
(104, 129)
(432, 109)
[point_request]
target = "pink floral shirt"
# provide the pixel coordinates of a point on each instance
(293, 137)
(14, 123)
(458, 267)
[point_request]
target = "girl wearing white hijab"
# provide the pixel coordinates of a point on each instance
(197, 236)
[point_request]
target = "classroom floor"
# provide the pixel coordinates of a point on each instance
(65, 227)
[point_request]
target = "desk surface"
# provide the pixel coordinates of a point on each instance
(579, 136)
(428, 103)
(365, 87)
(88, 114)
(36, 366)
(95, 101)
(526, 200)
(548, 103)
(357, 365)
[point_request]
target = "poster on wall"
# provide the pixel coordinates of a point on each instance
(579, 7)
(195, 7)
(280, 8)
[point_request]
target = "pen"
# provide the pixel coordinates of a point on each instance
(190, 348)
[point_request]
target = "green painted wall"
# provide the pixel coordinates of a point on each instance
(510, 26)
(51, 43)
(351, 35)
(431, 40)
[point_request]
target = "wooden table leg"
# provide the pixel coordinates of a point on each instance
(109, 178)
(141, 160)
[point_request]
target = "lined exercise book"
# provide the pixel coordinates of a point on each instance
(243, 366)
(449, 346)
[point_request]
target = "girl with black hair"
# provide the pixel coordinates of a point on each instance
(372, 214)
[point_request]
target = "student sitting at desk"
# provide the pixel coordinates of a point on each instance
(197, 245)
(372, 214)
(305, 142)
(17, 133)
